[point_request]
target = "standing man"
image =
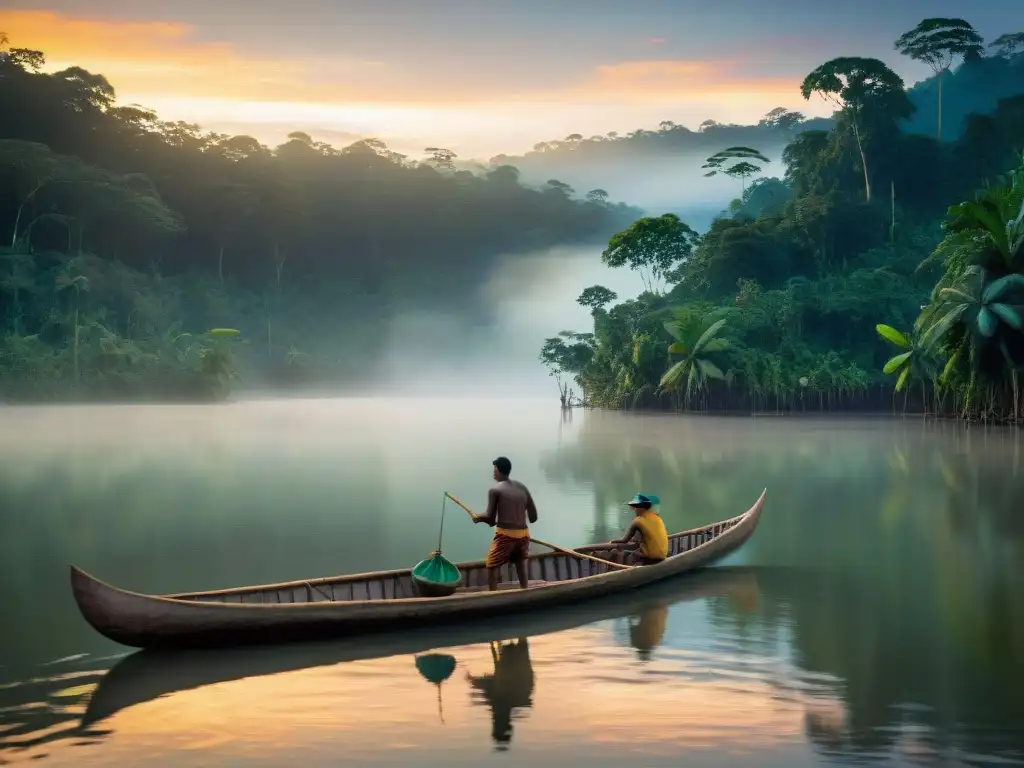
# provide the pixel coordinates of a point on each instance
(509, 504)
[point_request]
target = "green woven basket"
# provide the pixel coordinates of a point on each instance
(436, 577)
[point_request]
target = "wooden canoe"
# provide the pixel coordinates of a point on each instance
(150, 674)
(383, 600)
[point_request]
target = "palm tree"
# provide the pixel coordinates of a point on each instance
(695, 346)
(975, 317)
(977, 309)
(916, 362)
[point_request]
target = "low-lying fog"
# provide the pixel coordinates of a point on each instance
(534, 297)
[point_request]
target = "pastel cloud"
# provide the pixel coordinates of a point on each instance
(673, 80)
(163, 58)
(172, 68)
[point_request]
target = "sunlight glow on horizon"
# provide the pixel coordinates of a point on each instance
(159, 65)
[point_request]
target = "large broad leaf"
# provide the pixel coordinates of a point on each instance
(710, 370)
(988, 323)
(950, 366)
(999, 288)
(674, 375)
(675, 332)
(941, 327)
(691, 381)
(896, 363)
(677, 349)
(1015, 233)
(708, 335)
(954, 295)
(715, 345)
(889, 333)
(981, 217)
(901, 382)
(1008, 315)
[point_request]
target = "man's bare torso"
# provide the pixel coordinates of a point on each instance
(513, 505)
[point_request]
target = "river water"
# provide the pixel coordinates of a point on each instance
(876, 616)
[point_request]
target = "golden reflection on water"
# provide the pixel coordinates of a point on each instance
(566, 691)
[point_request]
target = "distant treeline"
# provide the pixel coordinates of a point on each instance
(120, 231)
(974, 87)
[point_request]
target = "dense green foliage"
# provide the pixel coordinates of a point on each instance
(776, 306)
(119, 231)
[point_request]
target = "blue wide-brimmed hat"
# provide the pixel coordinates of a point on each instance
(641, 499)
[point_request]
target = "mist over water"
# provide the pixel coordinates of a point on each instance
(488, 342)
(659, 184)
(532, 298)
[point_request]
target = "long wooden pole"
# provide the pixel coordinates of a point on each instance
(548, 544)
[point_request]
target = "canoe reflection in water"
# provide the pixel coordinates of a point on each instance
(508, 689)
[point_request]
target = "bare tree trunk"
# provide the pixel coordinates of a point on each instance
(863, 159)
(892, 226)
(17, 223)
(74, 349)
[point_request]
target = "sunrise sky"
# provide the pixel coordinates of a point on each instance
(477, 76)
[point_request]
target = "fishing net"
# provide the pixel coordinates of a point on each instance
(436, 576)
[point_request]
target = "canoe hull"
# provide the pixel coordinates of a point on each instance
(213, 620)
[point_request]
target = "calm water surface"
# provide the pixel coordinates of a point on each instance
(876, 616)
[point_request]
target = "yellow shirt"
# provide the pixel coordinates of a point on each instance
(655, 537)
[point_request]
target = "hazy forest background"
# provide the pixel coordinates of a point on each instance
(142, 258)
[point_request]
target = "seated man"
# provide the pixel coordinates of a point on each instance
(646, 538)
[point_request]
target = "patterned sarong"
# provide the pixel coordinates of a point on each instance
(508, 547)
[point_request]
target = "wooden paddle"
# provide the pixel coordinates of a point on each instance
(548, 544)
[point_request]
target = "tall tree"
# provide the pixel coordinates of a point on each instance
(1007, 46)
(596, 298)
(938, 42)
(781, 119)
(443, 159)
(856, 84)
(652, 247)
(742, 170)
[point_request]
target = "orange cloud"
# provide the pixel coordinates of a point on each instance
(160, 61)
(165, 65)
(156, 58)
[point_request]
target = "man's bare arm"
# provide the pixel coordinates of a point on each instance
(531, 508)
(491, 515)
(631, 533)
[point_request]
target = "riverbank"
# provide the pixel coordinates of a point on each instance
(868, 408)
